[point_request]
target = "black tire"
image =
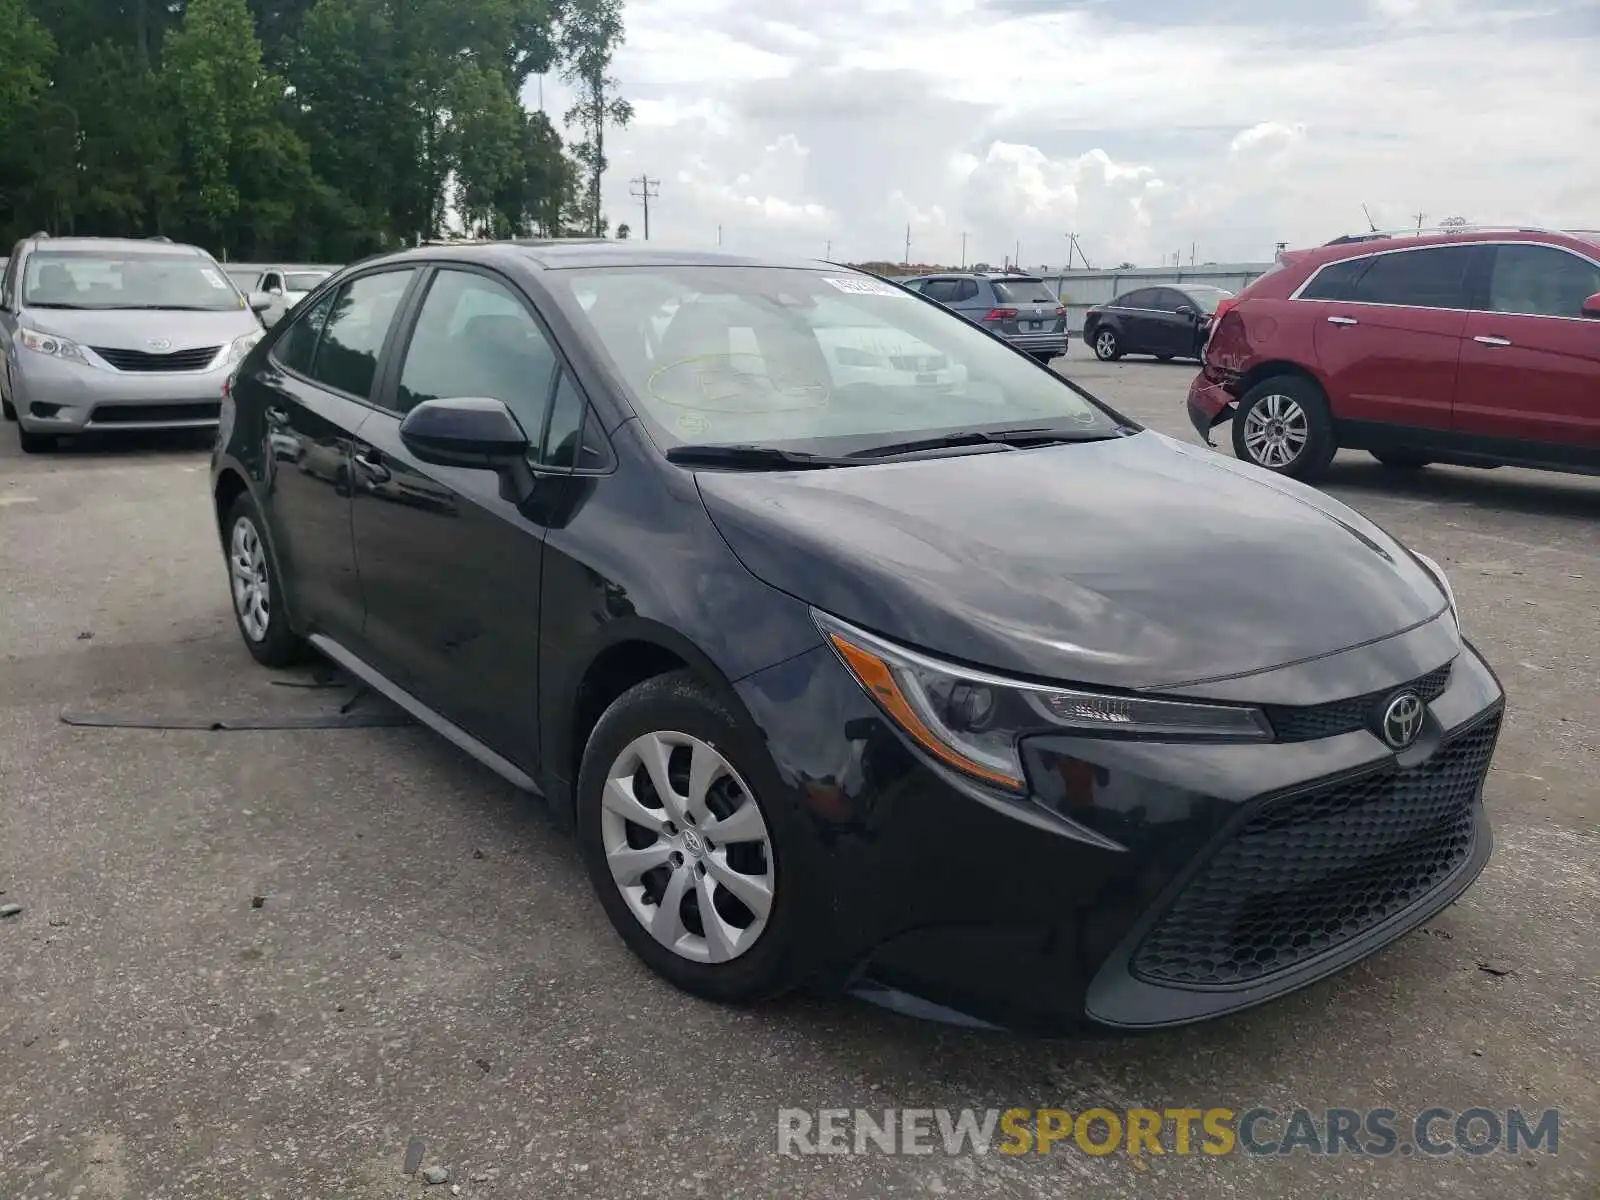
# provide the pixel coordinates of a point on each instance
(1400, 460)
(1043, 357)
(1164, 357)
(1310, 461)
(279, 645)
(8, 410)
(1106, 345)
(679, 703)
(35, 443)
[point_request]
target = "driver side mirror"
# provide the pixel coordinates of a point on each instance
(1185, 311)
(475, 432)
(1591, 306)
(261, 301)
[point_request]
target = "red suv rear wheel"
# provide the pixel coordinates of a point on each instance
(1283, 425)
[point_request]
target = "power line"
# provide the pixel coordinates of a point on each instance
(649, 189)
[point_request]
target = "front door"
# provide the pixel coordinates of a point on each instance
(1530, 366)
(312, 390)
(1388, 333)
(450, 569)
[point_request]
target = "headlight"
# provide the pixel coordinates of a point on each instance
(1439, 577)
(55, 347)
(241, 347)
(972, 721)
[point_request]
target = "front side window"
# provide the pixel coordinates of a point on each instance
(357, 324)
(830, 362)
(1143, 298)
(474, 337)
(1541, 281)
(97, 279)
(1205, 299)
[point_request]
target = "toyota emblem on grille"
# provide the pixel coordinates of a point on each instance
(160, 343)
(1402, 720)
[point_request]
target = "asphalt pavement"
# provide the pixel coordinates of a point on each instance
(279, 963)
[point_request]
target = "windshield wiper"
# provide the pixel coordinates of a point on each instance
(754, 458)
(1038, 435)
(173, 308)
(54, 304)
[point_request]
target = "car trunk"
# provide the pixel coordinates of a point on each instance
(1026, 306)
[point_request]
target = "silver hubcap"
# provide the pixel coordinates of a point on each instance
(1105, 345)
(252, 593)
(1276, 431)
(687, 847)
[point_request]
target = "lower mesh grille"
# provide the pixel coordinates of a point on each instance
(1313, 871)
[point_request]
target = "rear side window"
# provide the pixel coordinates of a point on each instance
(1336, 281)
(1170, 300)
(941, 290)
(965, 289)
(1433, 278)
(1024, 291)
(1143, 298)
(1541, 281)
(298, 346)
(347, 356)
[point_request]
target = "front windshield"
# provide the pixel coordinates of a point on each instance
(792, 357)
(303, 281)
(101, 279)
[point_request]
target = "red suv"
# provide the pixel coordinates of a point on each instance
(1477, 348)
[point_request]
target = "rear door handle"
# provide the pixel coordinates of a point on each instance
(1486, 340)
(1343, 321)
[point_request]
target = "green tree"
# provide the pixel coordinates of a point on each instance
(591, 31)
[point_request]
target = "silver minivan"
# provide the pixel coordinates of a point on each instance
(117, 334)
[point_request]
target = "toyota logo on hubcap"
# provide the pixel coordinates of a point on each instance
(1402, 720)
(692, 843)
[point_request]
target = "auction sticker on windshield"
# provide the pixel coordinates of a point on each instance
(212, 277)
(864, 287)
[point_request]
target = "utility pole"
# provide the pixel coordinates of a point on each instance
(1420, 215)
(649, 189)
(1017, 261)
(828, 254)
(963, 249)
(908, 244)
(719, 237)
(1194, 248)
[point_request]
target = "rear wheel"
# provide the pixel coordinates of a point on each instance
(1044, 356)
(682, 828)
(1106, 346)
(1400, 460)
(1283, 424)
(255, 585)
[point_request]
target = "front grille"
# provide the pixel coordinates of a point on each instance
(1345, 716)
(1310, 872)
(919, 362)
(138, 360)
(156, 414)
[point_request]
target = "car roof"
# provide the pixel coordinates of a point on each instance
(1359, 245)
(578, 253)
(118, 245)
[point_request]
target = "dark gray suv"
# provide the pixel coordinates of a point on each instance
(1020, 308)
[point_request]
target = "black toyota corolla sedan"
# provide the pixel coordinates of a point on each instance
(860, 650)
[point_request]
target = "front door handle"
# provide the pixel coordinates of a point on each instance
(371, 464)
(1343, 321)
(1487, 340)
(277, 416)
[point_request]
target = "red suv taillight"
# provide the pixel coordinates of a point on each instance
(1001, 314)
(1222, 307)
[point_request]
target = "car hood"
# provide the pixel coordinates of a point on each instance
(134, 329)
(1136, 562)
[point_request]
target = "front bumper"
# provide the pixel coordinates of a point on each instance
(1103, 899)
(1209, 405)
(63, 397)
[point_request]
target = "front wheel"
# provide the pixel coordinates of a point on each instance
(1283, 424)
(1106, 346)
(682, 827)
(8, 410)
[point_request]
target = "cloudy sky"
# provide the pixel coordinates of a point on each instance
(1148, 127)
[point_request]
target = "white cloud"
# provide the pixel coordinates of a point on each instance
(1021, 120)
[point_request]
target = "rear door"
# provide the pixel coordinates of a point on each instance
(313, 390)
(1389, 329)
(450, 569)
(1034, 302)
(1530, 365)
(1136, 321)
